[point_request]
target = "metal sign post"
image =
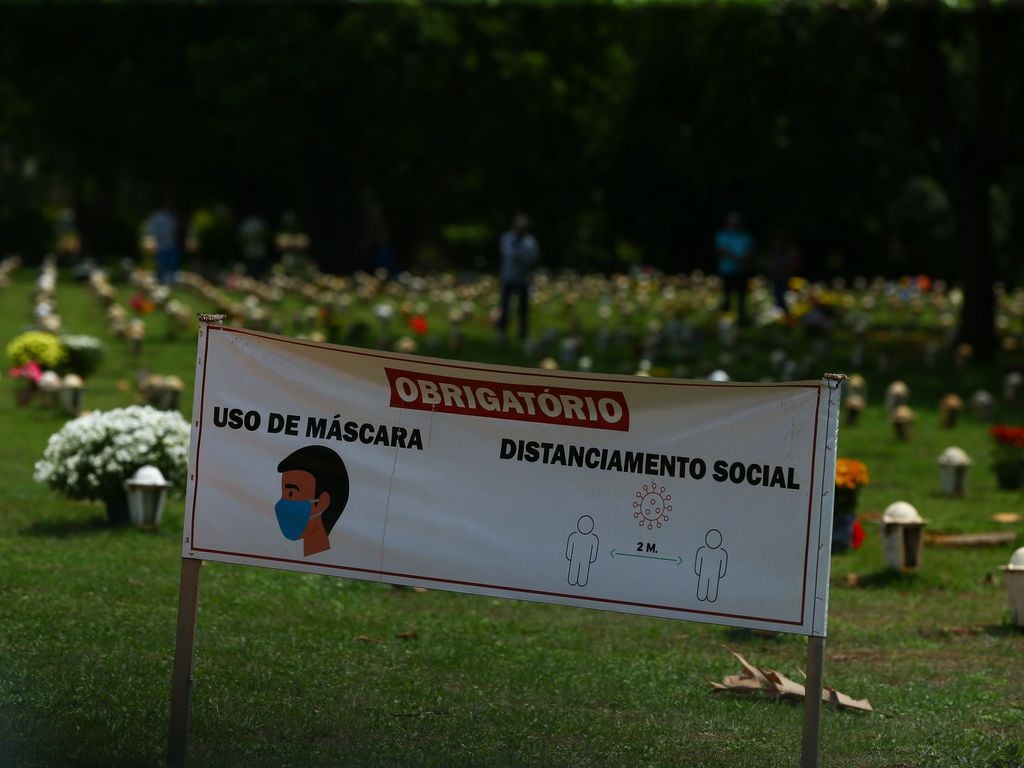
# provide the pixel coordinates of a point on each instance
(184, 646)
(185, 637)
(810, 746)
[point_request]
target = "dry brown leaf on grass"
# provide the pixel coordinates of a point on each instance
(984, 539)
(832, 696)
(1007, 517)
(776, 684)
(368, 639)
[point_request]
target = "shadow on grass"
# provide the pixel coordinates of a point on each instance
(883, 579)
(1001, 630)
(735, 635)
(67, 527)
(947, 631)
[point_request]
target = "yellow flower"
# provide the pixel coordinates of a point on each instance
(796, 283)
(43, 348)
(851, 474)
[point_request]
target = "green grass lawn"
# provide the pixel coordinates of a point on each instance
(301, 670)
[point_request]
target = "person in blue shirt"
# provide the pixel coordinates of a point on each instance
(162, 227)
(735, 249)
(519, 252)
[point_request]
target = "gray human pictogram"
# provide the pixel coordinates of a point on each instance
(581, 550)
(710, 565)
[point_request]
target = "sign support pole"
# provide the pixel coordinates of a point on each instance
(810, 746)
(184, 646)
(185, 636)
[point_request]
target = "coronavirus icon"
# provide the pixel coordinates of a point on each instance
(652, 505)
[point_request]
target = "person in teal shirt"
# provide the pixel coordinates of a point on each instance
(735, 249)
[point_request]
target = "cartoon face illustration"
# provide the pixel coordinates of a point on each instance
(314, 492)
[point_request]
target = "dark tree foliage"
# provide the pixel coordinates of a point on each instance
(881, 141)
(957, 86)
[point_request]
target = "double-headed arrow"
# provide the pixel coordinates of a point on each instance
(678, 559)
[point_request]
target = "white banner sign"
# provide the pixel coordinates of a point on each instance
(681, 499)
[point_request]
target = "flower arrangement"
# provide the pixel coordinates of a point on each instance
(36, 346)
(142, 304)
(30, 371)
(1008, 455)
(418, 325)
(91, 456)
(851, 476)
(1010, 437)
(84, 353)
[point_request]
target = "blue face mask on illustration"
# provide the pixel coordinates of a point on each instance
(293, 517)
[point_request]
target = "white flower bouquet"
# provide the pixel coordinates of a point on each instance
(91, 456)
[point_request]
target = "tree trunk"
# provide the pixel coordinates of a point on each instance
(977, 260)
(979, 169)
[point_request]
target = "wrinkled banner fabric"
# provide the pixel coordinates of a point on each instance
(692, 500)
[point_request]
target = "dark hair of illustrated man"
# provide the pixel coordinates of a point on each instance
(331, 476)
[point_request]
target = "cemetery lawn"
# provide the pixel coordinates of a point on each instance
(301, 670)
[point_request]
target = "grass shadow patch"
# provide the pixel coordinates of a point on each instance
(736, 635)
(886, 578)
(1001, 630)
(64, 528)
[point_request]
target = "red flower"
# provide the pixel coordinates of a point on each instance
(29, 370)
(418, 324)
(1012, 436)
(142, 305)
(856, 535)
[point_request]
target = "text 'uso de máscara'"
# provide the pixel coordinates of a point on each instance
(334, 428)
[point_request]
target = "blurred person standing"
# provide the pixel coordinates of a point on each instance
(783, 264)
(253, 234)
(162, 228)
(735, 250)
(519, 253)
